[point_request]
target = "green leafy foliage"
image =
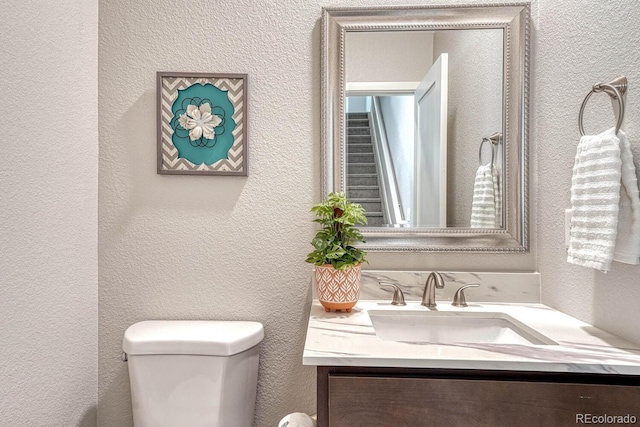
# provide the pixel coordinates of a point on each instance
(334, 243)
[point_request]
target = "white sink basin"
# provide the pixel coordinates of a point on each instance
(442, 327)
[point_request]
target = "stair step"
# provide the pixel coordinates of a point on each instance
(359, 148)
(362, 179)
(358, 122)
(366, 199)
(358, 131)
(360, 158)
(368, 168)
(358, 139)
(363, 192)
(370, 206)
(375, 220)
(357, 115)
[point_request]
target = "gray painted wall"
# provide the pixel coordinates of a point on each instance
(49, 205)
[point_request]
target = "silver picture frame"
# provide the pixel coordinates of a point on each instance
(514, 20)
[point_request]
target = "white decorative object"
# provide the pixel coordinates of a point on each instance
(210, 138)
(298, 419)
(200, 121)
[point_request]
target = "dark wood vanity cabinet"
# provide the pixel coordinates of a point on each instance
(371, 397)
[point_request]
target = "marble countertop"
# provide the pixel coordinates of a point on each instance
(348, 339)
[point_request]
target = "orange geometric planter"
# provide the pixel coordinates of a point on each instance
(337, 289)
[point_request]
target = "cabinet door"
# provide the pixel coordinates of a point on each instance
(414, 402)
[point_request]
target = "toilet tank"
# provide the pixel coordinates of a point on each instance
(193, 373)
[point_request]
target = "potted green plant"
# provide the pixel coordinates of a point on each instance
(337, 260)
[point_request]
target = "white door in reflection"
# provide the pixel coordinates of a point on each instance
(430, 189)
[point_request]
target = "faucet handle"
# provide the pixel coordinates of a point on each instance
(398, 296)
(459, 299)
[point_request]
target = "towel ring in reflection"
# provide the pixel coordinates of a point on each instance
(494, 140)
(615, 89)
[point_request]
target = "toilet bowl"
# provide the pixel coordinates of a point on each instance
(187, 373)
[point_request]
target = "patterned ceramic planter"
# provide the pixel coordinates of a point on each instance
(337, 289)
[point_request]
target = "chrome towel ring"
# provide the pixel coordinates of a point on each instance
(615, 89)
(494, 140)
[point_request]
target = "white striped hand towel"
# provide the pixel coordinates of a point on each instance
(486, 208)
(628, 237)
(596, 190)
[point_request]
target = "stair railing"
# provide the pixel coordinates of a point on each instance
(389, 194)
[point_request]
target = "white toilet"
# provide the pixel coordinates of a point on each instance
(187, 373)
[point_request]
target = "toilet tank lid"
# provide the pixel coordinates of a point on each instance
(197, 337)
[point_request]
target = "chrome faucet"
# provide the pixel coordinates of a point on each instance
(434, 281)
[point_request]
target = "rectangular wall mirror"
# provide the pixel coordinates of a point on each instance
(424, 120)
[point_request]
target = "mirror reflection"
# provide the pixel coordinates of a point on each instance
(424, 127)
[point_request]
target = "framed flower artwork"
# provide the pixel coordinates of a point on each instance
(202, 124)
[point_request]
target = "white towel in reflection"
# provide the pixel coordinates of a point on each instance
(605, 221)
(486, 208)
(297, 419)
(497, 185)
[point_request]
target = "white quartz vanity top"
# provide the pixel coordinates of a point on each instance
(348, 339)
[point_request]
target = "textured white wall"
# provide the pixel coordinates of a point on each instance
(579, 43)
(203, 247)
(400, 56)
(196, 247)
(475, 109)
(219, 247)
(178, 247)
(48, 199)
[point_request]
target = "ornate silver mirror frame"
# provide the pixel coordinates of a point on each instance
(513, 19)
